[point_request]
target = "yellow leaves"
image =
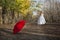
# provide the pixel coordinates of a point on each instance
(23, 6)
(24, 12)
(19, 0)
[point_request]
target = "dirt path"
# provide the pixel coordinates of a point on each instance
(31, 32)
(7, 35)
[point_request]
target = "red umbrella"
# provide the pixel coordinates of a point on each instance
(18, 26)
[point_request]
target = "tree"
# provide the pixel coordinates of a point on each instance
(5, 4)
(19, 6)
(23, 6)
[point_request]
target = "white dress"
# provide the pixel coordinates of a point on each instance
(41, 19)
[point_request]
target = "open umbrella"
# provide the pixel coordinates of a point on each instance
(18, 26)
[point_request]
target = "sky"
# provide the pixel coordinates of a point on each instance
(44, 0)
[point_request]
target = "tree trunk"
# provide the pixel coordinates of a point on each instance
(3, 13)
(12, 12)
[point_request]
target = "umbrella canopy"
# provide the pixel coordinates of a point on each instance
(18, 26)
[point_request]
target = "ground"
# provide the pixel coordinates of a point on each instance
(31, 32)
